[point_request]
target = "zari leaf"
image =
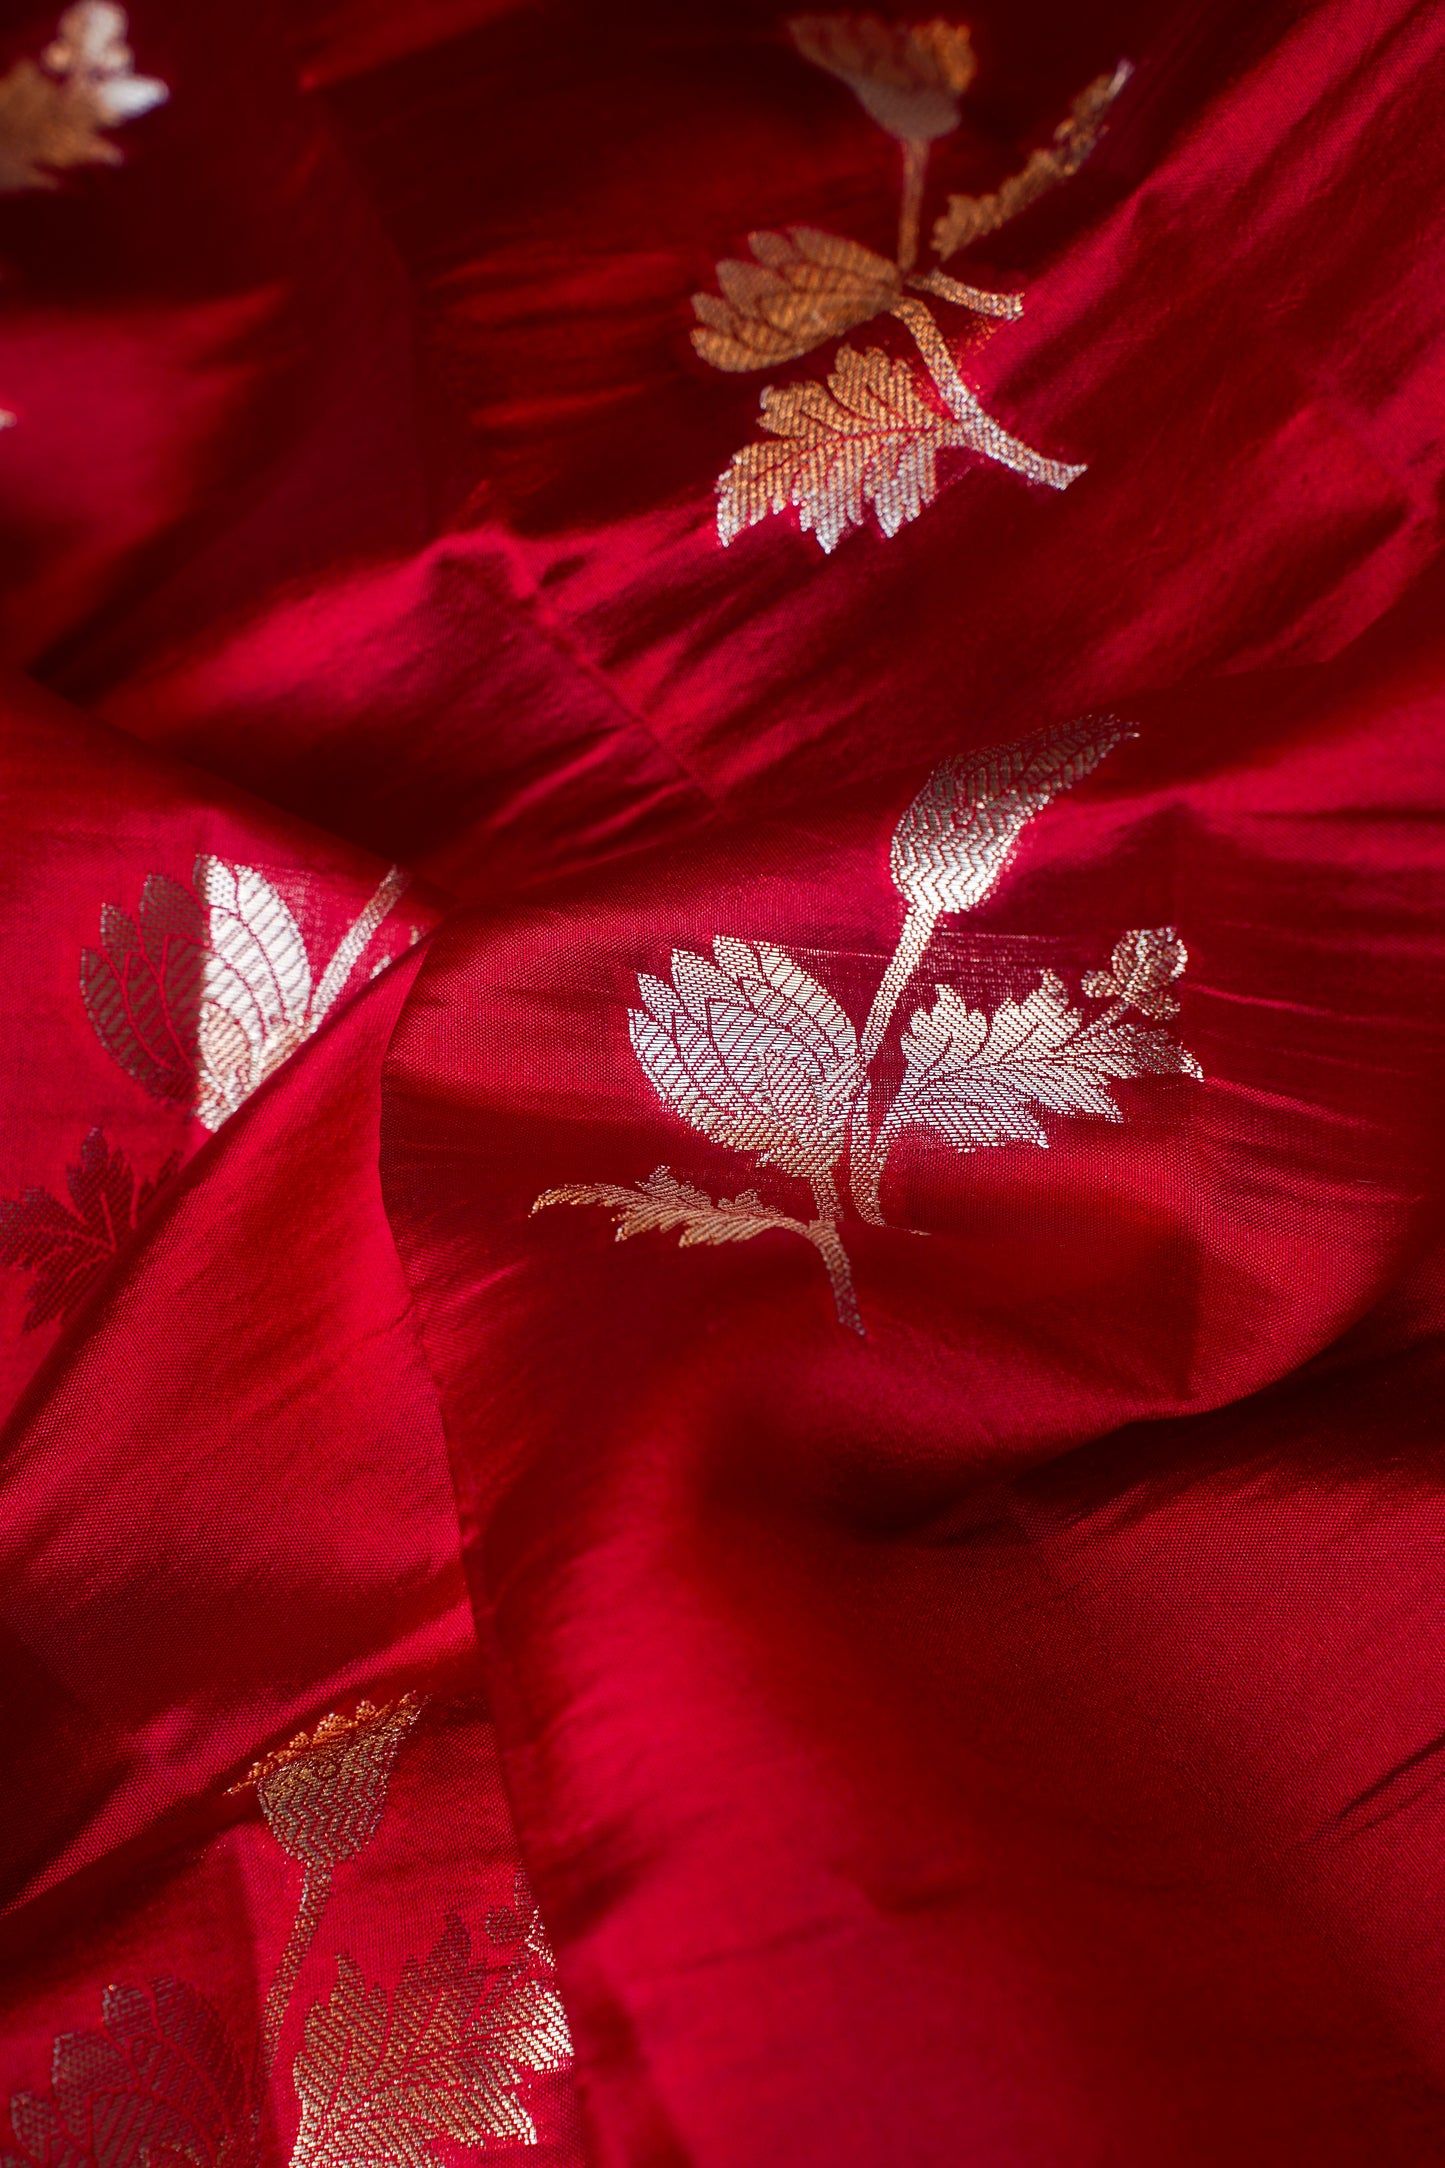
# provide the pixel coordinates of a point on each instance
(51, 116)
(804, 288)
(521, 1923)
(663, 1203)
(968, 218)
(68, 1250)
(869, 438)
(383, 2079)
(982, 1080)
(161, 2081)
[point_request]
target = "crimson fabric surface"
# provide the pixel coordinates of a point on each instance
(1009, 1733)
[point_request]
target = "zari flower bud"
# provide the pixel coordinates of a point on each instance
(91, 52)
(907, 76)
(323, 1794)
(1144, 965)
(961, 830)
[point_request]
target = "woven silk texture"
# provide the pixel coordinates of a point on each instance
(722, 1171)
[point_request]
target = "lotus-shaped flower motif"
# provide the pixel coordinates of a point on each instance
(755, 1054)
(203, 995)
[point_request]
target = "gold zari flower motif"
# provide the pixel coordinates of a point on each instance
(52, 114)
(871, 435)
(750, 1050)
(380, 2077)
(323, 1796)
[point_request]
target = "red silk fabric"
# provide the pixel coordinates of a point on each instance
(1008, 1735)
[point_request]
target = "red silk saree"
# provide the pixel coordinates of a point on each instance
(722, 1289)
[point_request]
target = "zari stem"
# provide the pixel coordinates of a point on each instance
(866, 1169)
(915, 167)
(824, 1234)
(825, 1194)
(864, 1165)
(315, 1890)
(977, 298)
(917, 932)
(976, 427)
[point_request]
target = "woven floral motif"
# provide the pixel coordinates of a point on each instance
(382, 2075)
(869, 436)
(207, 990)
(754, 1053)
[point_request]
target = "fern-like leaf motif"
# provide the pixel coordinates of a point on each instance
(160, 2080)
(758, 1056)
(969, 218)
(802, 289)
(805, 287)
(68, 1247)
(53, 114)
(979, 1079)
(383, 2080)
(208, 990)
(664, 1205)
(869, 439)
(870, 436)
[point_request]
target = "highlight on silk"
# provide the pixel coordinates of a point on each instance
(821, 637)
